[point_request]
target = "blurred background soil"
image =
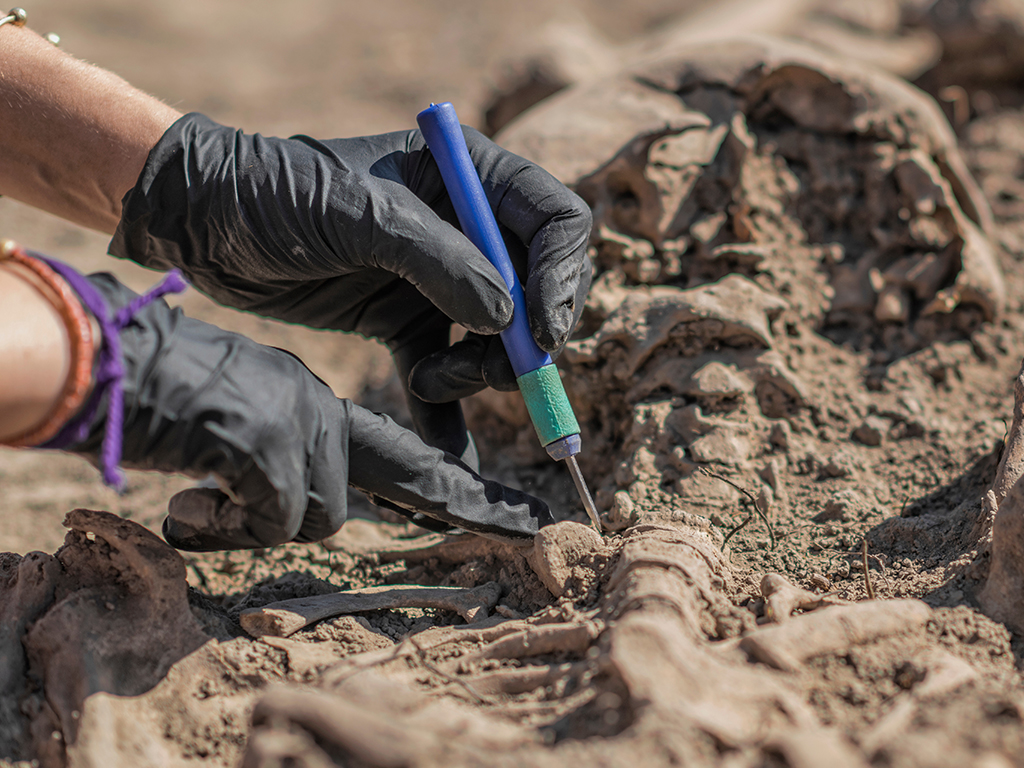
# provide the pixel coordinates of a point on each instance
(322, 68)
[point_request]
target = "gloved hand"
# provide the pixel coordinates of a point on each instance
(359, 235)
(201, 401)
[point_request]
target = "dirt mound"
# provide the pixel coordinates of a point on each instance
(107, 614)
(761, 212)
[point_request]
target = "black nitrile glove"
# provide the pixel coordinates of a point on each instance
(202, 401)
(359, 235)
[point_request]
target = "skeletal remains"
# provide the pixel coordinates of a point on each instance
(656, 661)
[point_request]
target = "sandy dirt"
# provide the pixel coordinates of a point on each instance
(795, 376)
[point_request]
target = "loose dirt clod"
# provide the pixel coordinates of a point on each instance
(110, 616)
(568, 558)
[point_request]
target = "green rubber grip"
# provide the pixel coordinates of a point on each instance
(548, 404)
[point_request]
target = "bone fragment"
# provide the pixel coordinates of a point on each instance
(944, 674)
(513, 681)
(1011, 465)
(787, 646)
(1001, 597)
(537, 641)
(811, 747)
(368, 736)
(782, 598)
(288, 616)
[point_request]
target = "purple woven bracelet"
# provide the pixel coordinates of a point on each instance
(109, 371)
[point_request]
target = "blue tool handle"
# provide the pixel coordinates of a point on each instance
(536, 375)
(441, 129)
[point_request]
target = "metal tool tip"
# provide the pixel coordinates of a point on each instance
(581, 487)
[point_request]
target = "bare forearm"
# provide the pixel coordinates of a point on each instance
(73, 137)
(35, 349)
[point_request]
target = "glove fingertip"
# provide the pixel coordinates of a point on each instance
(555, 308)
(450, 271)
(497, 369)
(495, 318)
(206, 520)
(444, 377)
(552, 331)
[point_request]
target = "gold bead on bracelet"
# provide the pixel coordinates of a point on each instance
(15, 16)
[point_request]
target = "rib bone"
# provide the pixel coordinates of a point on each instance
(289, 616)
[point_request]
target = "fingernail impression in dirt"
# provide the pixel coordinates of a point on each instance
(791, 261)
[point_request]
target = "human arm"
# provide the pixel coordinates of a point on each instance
(205, 402)
(35, 348)
(73, 137)
(350, 234)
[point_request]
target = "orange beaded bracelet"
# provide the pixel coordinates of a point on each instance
(80, 335)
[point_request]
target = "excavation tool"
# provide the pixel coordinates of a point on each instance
(536, 375)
